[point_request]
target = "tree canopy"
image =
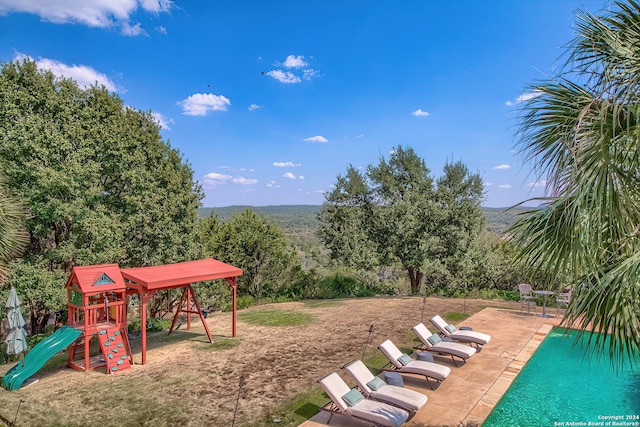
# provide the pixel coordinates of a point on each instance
(100, 183)
(396, 212)
(13, 236)
(580, 130)
(254, 243)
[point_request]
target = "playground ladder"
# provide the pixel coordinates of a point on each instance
(115, 349)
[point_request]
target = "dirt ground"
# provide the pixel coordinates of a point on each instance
(189, 382)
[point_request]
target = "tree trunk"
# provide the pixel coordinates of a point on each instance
(415, 277)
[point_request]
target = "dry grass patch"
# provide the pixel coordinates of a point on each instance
(188, 381)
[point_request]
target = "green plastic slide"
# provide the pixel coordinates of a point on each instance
(38, 356)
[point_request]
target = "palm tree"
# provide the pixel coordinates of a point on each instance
(581, 131)
(13, 237)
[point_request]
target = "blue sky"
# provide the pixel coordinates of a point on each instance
(269, 101)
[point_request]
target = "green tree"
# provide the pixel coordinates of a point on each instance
(581, 133)
(255, 244)
(13, 236)
(395, 213)
(99, 182)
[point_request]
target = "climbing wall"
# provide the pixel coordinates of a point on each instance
(114, 350)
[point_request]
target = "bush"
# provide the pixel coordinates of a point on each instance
(154, 324)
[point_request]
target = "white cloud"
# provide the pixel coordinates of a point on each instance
(156, 6)
(83, 75)
(308, 74)
(538, 184)
(527, 96)
(317, 138)
(360, 136)
(293, 61)
(254, 107)
(162, 30)
(295, 71)
(227, 167)
(284, 77)
(132, 30)
(502, 166)
(244, 181)
(301, 177)
(289, 175)
(504, 186)
(524, 97)
(420, 113)
(271, 183)
(488, 184)
(286, 164)
(100, 13)
(199, 104)
(162, 121)
(212, 179)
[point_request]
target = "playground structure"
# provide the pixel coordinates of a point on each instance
(97, 306)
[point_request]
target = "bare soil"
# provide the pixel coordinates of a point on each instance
(189, 382)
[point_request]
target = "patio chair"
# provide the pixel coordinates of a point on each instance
(562, 300)
(351, 403)
(434, 344)
(404, 364)
(527, 298)
(377, 389)
(461, 335)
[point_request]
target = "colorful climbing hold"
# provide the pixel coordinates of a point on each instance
(102, 332)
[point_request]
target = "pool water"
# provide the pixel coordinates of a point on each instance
(559, 386)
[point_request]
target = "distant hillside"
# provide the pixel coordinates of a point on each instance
(300, 219)
(294, 219)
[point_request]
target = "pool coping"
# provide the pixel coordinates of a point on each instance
(482, 409)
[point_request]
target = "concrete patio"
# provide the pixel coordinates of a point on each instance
(472, 390)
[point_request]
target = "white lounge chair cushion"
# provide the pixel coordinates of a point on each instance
(379, 412)
(471, 336)
(460, 335)
(400, 396)
(428, 369)
(439, 346)
(456, 349)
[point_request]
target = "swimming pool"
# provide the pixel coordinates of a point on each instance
(559, 386)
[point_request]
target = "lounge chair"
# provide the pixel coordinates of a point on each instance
(377, 389)
(433, 343)
(349, 402)
(450, 331)
(402, 363)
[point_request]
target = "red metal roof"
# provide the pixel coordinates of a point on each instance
(97, 278)
(180, 274)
